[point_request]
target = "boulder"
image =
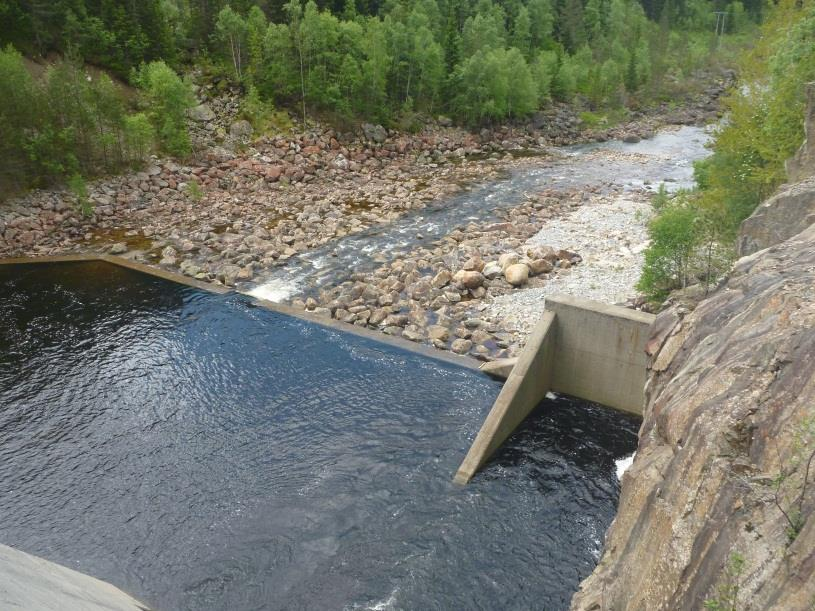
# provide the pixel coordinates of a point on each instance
(539, 266)
(119, 248)
(461, 346)
(469, 279)
(492, 270)
(201, 113)
(517, 274)
(375, 133)
(441, 279)
(507, 259)
(438, 332)
(241, 129)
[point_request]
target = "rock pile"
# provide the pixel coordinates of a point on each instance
(432, 294)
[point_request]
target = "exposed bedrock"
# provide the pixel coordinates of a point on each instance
(785, 214)
(715, 507)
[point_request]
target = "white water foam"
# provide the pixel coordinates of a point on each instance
(276, 290)
(623, 464)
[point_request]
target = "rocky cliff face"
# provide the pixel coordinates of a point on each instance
(803, 163)
(730, 411)
(784, 215)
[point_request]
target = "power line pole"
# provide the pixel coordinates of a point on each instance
(721, 16)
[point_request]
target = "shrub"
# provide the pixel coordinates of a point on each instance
(168, 98)
(77, 186)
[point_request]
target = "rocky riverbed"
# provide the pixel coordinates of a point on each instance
(466, 274)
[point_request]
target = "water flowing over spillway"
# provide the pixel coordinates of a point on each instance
(202, 452)
(668, 157)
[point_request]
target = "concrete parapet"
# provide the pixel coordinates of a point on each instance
(582, 348)
(29, 582)
(600, 352)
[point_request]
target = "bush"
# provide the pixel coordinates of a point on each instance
(168, 99)
(667, 260)
(77, 186)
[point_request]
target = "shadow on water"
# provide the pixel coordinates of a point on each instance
(200, 451)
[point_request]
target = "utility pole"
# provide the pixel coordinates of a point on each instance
(720, 19)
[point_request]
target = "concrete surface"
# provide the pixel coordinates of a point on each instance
(582, 348)
(499, 368)
(600, 352)
(526, 385)
(31, 583)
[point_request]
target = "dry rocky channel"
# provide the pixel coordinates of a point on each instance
(245, 208)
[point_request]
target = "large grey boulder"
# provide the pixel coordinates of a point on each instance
(784, 215)
(201, 113)
(241, 129)
(376, 133)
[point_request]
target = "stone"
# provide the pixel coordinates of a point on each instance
(228, 274)
(119, 248)
(241, 129)
(539, 266)
(201, 113)
(507, 259)
(413, 333)
(461, 346)
(473, 264)
(441, 279)
(517, 274)
(469, 279)
(189, 268)
(438, 332)
(376, 133)
(377, 316)
(492, 270)
(785, 214)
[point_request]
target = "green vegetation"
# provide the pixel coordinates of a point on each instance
(194, 191)
(476, 61)
(71, 122)
(694, 232)
(395, 62)
(168, 98)
(77, 186)
(728, 591)
(788, 494)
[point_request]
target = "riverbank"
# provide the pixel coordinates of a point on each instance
(233, 217)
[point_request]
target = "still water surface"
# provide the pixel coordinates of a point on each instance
(204, 453)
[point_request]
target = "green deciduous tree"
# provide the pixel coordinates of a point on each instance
(168, 98)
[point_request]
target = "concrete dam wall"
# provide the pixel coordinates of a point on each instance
(29, 582)
(587, 349)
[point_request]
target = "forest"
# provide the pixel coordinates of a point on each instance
(396, 62)
(693, 233)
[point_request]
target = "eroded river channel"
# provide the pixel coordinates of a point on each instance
(666, 158)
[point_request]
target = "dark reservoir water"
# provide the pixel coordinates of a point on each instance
(204, 453)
